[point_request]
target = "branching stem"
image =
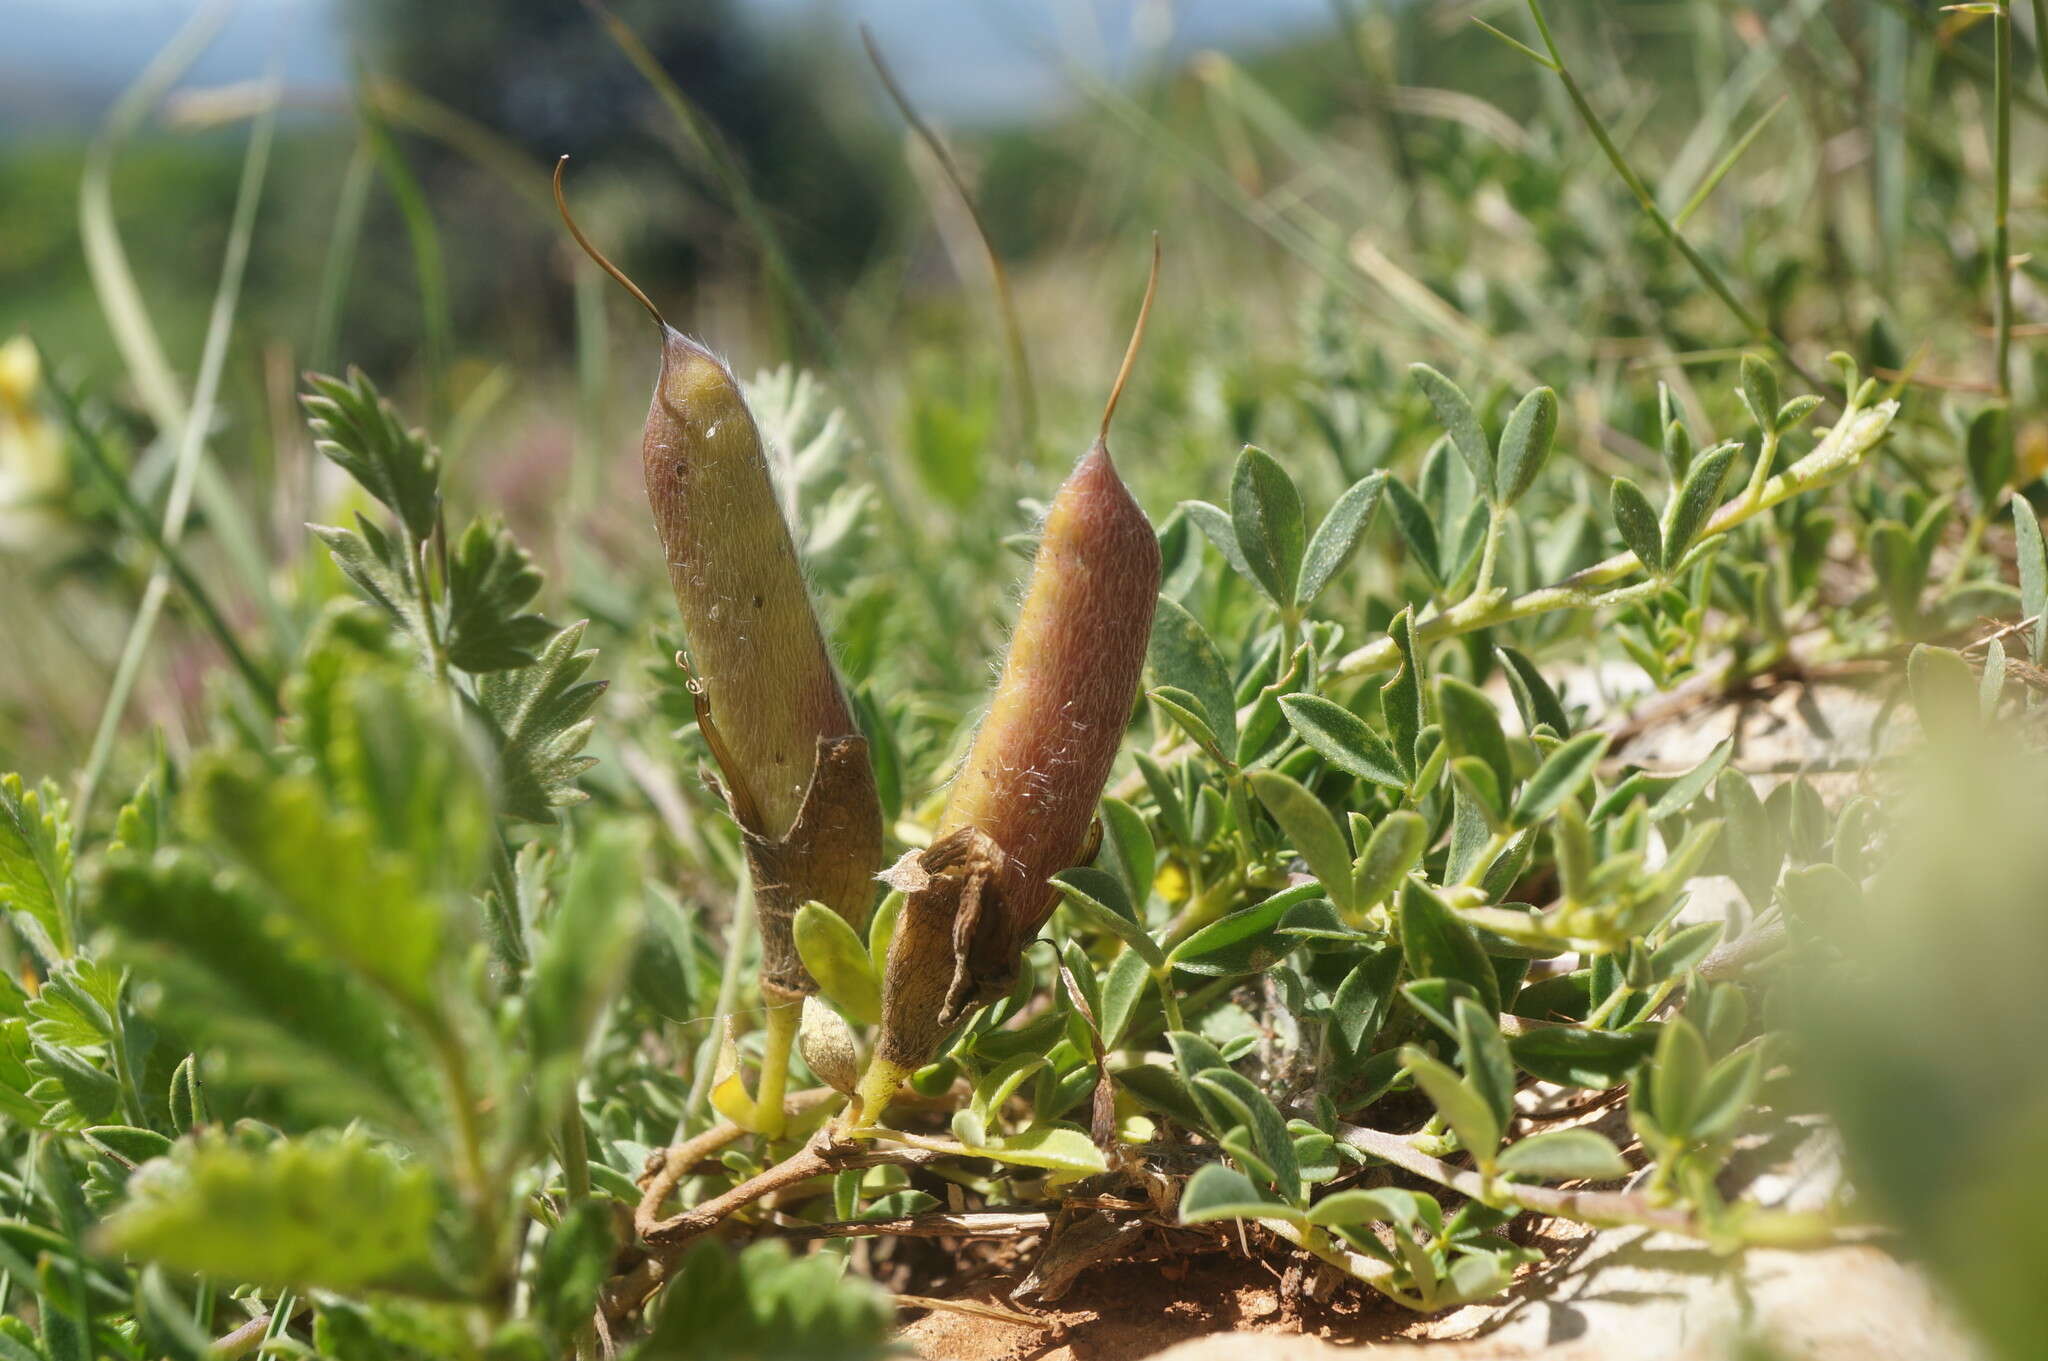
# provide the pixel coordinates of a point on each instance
(1601, 1209)
(1701, 266)
(1845, 446)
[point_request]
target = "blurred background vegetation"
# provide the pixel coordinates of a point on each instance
(1341, 188)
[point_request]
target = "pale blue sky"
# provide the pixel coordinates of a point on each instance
(961, 59)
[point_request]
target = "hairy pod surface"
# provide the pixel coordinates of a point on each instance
(796, 770)
(1023, 805)
(1032, 779)
(755, 646)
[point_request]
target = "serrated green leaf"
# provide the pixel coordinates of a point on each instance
(78, 1006)
(539, 720)
(143, 823)
(16, 1049)
(359, 431)
(323, 867)
(1338, 536)
(1182, 656)
(87, 1092)
(329, 1214)
(582, 959)
(35, 859)
(491, 581)
(387, 750)
(1525, 445)
(1266, 513)
(1636, 519)
(280, 1010)
(13, 1348)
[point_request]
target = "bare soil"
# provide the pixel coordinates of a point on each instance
(1131, 1310)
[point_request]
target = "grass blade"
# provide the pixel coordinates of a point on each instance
(191, 446)
(1727, 163)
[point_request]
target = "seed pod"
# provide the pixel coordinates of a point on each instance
(795, 768)
(1023, 805)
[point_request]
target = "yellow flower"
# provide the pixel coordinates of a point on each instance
(32, 467)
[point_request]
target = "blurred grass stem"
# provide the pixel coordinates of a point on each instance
(191, 445)
(1701, 266)
(263, 685)
(1006, 302)
(2001, 189)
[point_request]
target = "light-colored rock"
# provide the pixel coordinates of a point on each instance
(1634, 1297)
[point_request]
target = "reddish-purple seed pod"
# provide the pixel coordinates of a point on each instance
(769, 703)
(1032, 780)
(1022, 807)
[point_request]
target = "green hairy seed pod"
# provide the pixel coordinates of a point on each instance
(1022, 808)
(794, 767)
